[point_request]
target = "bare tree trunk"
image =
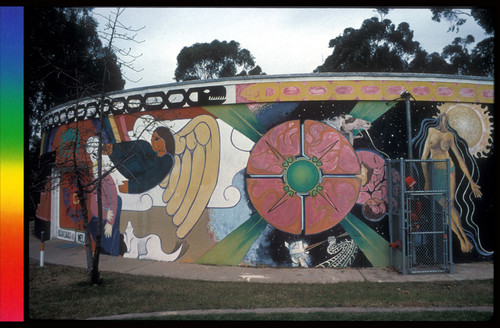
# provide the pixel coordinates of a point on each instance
(83, 187)
(98, 236)
(86, 227)
(95, 277)
(92, 256)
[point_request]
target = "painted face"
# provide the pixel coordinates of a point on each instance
(374, 205)
(157, 143)
(374, 209)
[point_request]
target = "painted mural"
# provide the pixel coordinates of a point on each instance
(280, 174)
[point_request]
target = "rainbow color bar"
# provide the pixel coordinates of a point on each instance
(11, 164)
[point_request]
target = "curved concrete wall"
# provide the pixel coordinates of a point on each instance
(264, 170)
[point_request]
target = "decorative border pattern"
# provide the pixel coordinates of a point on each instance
(283, 88)
(363, 90)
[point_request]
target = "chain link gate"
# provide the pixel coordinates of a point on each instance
(420, 233)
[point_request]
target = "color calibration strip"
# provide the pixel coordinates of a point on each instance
(11, 164)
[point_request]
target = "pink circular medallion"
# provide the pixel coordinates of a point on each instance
(302, 177)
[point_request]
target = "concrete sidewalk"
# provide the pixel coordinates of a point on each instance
(72, 254)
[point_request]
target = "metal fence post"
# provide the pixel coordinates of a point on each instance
(448, 219)
(42, 249)
(403, 216)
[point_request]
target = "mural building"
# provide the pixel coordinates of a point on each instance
(272, 170)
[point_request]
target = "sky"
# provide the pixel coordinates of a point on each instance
(282, 40)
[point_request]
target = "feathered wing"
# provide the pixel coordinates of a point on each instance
(190, 184)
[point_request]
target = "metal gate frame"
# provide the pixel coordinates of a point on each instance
(419, 218)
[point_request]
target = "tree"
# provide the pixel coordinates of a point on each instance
(65, 60)
(434, 63)
(114, 29)
(458, 55)
(64, 47)
(480, 60)
(484, 17)
(375, 46)
(214, 60)
(483, 58)
(74, 165)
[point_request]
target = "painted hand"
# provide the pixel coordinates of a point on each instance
(475, 190)
(108, 228)
(109, 216)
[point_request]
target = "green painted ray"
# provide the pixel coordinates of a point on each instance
(241, 118)
(232, 249)
(370, 110)
(374, 247)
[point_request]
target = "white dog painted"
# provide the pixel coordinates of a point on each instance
(148, 247)
(346, 124)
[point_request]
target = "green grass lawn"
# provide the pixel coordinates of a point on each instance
(62, 292)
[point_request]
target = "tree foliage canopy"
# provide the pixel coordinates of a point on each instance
(214, 60)
(65, 59)
(380, 46)
(64, 51)
(376, 46)
(484, 17)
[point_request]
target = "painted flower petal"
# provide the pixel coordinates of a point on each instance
(331, 147)
(331, 204)
(277, 145)
(275, 205)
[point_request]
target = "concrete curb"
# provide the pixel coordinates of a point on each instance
(291, 310)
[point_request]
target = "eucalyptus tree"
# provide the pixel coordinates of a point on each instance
(377, 46)
(217, 59)
(480, 59)
(483, 16)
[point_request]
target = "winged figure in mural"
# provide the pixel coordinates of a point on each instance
(185, 164)
(144, 164)
(190, 184)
